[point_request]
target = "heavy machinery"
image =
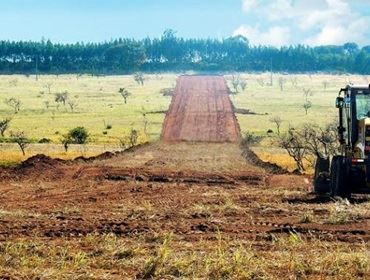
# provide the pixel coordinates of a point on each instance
(349, 170)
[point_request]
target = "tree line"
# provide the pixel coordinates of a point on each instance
(173, 53)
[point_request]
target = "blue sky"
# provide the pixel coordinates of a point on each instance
(272, 22)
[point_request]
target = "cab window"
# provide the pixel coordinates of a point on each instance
(363, 106)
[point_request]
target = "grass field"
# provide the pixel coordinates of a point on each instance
(99, 104)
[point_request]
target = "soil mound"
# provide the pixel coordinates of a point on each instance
(39, 161)
(272, 168)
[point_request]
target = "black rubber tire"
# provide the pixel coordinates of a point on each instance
(321, 180)
(340, 172)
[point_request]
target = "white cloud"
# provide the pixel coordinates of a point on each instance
(316, 22)
(249, 4)
(276, 36)
(354, 31)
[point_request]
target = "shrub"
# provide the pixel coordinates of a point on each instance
(251, 139)
(167, 91)
(78, 135)
(44, 141)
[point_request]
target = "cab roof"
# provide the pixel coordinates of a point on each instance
(358, 86)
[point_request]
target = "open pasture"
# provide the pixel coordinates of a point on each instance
(100, 108)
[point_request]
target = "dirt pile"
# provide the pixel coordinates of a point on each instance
(251, 157)
(39, 161)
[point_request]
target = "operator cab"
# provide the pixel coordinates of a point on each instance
(354, 120)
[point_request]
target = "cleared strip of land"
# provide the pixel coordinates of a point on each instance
(201, 110)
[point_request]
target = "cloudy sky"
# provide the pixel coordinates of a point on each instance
(271, 22)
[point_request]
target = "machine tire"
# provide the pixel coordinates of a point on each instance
(321, 181)
(340, 172)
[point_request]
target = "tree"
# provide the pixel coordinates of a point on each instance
(133, 137)
(72, 104)
(14, 103)
(277, 121)
(20, 138)
(139, 78)
(78, 135)
(351, 48)
(309, 142)
(295, 146)
(124, 56)
(4, 125)
(124, 93)
(172, 53)
(307, 105)
(320, 142)
(61, 97)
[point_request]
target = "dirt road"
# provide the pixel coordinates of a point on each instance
(201, 110)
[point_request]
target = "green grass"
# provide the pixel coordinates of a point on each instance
(288, 104)
(100, 106)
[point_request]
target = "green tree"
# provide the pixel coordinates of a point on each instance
(78, 135)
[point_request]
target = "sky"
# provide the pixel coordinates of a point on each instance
(267, 22)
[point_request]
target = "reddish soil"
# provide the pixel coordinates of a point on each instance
(201, 110)
(50, 199)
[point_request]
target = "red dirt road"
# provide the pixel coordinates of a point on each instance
(201, 111)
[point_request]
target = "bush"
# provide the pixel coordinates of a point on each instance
(309, 142)
(44, 141)
(251, 139)
(78, 135)
(167, 91)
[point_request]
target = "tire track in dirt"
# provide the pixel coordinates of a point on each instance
(201, 111)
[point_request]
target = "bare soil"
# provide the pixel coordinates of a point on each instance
(42, 192)
(201, 110)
